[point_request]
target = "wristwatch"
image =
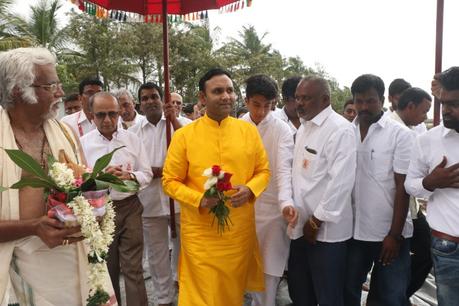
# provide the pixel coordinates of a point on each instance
(132, 177)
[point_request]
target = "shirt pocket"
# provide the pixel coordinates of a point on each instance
(381, 164)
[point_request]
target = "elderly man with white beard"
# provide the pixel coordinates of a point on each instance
(36, 252)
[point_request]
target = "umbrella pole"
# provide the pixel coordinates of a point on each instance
(438, 54)
(167, 96)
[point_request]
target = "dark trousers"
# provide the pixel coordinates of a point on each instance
(421, 260)
(316, 273)
(126, 251)
(388, 283)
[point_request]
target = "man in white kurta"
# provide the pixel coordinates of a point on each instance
(128, 163)
(151, 130)
(323, 176)
(261, 92)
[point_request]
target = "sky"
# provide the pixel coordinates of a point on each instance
(389, 38)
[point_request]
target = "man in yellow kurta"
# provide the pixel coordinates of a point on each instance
(214, 269)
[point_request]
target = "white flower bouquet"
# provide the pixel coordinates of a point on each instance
(78, 196)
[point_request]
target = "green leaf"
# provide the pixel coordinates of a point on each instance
(88, 185)
(3, 189)
(86, 176)
(51, 160)
(110, 178)
(26, 162)
(128, 186)
(32, 182)
(101, 184)
(103, 162)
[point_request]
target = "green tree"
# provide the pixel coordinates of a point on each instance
(9, 40)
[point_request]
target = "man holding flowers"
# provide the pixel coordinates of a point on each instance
(41, 260)
(216, 267)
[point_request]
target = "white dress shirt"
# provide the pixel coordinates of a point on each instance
(323, 175)
(428, 152)
(385, 150)
(131, 158)
(153, 137)
(79, 123)
(282, 115)
(417, 130)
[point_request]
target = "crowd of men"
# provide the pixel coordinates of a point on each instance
(332, 198)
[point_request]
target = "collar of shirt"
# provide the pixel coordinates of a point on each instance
(446, 131)
(320, 118)
(269, 117)
(115, 135)
(214, 123)
(82, 117)
(144, 122)
(381, 122)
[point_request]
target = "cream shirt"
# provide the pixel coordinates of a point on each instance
(443, 203)
(324, 164)
(153, 198)
(132, 157)
(385, 150)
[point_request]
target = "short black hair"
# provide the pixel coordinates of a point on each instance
(150, 85)
(210, 74)
(449, 78)
(71, 97)
(348, 101)
(261, 84)
(241, 110)
(398, 86)
(413, 94)
(89, 81)
(367, 81)
(289, 87)
(188, 108)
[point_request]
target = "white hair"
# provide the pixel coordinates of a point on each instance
(17, 70)
(124, 92)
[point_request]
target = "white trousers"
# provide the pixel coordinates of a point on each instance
(156, 241)
(268, 297)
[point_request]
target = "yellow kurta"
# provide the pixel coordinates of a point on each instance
(215, 270)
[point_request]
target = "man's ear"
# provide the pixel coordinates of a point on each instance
(16, 93)
(202, 98)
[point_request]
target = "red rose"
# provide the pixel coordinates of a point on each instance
(221, 186)
(216, 170)
(227, 176)
(60, 196)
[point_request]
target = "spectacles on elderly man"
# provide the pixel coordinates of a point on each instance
(49, 87)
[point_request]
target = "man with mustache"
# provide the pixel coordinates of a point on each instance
(40, 258)
(217, 268)
(128, 114)
(382, 224)
(434, 174)
(323, 172)
(151, 129)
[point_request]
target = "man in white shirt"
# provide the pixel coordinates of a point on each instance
(156, 214)
(129, 115)
(433, 174)
(381, 220)
(288, 113)
(128, 163)
(276, 201)
(81, 122)
(412, 108)
(323, 176)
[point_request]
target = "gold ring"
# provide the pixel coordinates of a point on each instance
(65, 242)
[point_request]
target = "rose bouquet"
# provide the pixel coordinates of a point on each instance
(78, 196)
(218, 181)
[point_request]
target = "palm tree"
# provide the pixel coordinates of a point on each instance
(7, 39)
(40, 29)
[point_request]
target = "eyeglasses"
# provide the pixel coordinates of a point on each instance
(102, 115)
(49, 87)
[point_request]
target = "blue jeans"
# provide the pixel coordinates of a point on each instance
(445, 255)
(388, 283)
